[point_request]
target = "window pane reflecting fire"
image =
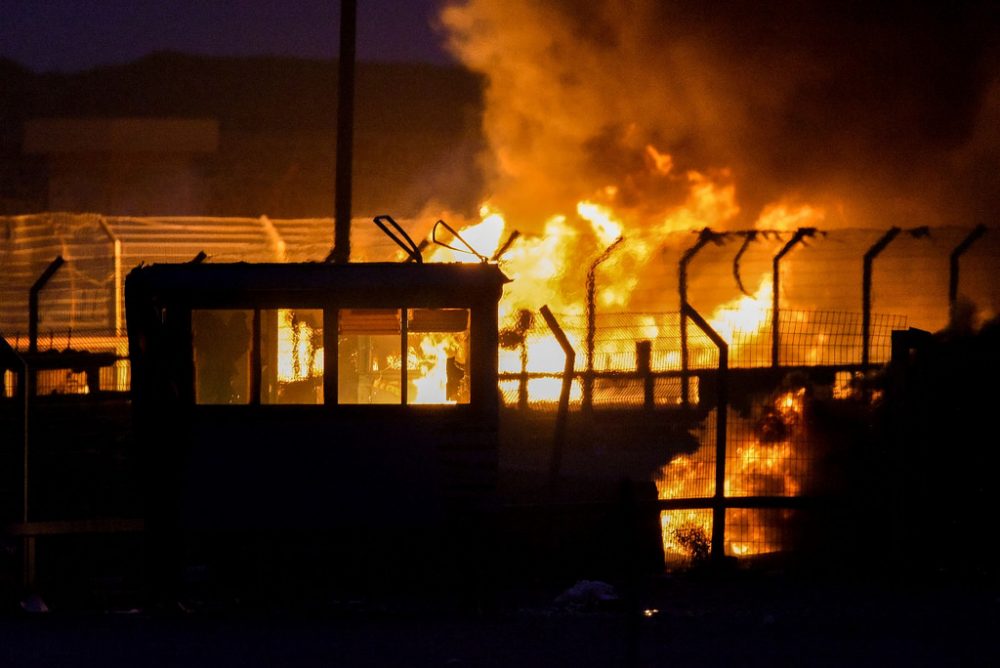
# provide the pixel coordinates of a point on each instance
(291, 357)
(371, 356)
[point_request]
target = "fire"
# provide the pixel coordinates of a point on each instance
(744, 315)
(430, 372)
(603, 123)
(602, 221)
(428, 368)
(298, 358)
(766, 464)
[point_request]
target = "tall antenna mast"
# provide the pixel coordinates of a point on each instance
(345, 134)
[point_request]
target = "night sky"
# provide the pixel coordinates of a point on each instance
(73, 35)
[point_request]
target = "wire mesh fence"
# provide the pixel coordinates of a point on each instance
(71, 362)
(608, 361)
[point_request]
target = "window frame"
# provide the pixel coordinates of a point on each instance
(331, 327)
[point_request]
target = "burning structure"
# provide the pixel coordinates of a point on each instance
(728, 228)
(314, 397)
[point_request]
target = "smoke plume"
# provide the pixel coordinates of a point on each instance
(880, 113)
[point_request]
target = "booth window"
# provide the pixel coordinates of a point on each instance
(10, 381)
(222, 344)
(291, 356)
(381, 361)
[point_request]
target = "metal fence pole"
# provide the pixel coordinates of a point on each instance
(704, 237)
(559, 438)
(588, 379)
(33, 301)
(960, 250)
(866, 292)
(643, 366)
(800, 234)
(722, 408)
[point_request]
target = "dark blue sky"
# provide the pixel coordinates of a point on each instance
(71, 35)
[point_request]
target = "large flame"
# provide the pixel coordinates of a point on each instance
(604, 124)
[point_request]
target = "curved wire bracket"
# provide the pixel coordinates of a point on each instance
(469, 250)
(403, 240)
(747, 238)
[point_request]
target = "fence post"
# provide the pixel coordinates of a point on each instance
(721, 410)
(559, 438)
(643, 355)
(800, 234)
(866, 293)
(704, 237)
(588, 378)
(960, 250)
(33, 301)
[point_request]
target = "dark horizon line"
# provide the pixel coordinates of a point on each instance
(451, 64)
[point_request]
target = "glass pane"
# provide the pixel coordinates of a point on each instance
(60, 381)
(221, 341)
(369, 356)
(437, 356)
(291, 356)
(10, 380)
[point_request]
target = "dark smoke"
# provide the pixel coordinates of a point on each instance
(881, 112)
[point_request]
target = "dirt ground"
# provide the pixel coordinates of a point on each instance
(733, 619)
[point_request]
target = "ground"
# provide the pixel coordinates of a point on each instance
(692, 619)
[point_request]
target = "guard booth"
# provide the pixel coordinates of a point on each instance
(312, 398)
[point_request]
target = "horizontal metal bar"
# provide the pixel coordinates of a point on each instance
(66, 527)
(791, 502)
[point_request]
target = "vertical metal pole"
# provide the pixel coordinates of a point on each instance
(704, 237)
(522, 384)
(643, 359)
(960, 250)
(256, 379)
(559, 438)
(28, 541)
(588, 379)
(345, 133)
(117, 316)
(404, 376)
(33, 301)
(26, 400)
(800, 233)
(866, 293)
(721, 411)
